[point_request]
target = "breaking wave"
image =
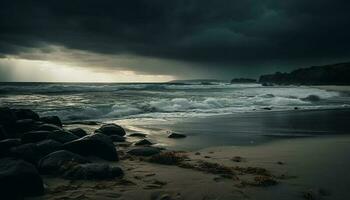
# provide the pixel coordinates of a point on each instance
(98, 101)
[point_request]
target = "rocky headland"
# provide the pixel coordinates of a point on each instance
(334, 74)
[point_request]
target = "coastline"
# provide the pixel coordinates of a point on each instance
(304, 167)
(241, 129)
(301, 167)
(260, 155)
(313, 165)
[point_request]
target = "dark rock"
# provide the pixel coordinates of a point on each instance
(176, 135)
(34, 136)
(7, 116)
(237, 159)
(78, 132)
(117, 138)
(243, 80)
(7, 144)
(335, 74)
(98, 145)
(48, 146)
(93, 171)
(91, 123)
(267, 84)
(143, 142)
(26, 114)
(3, 133)
(22, 126)
(19, 179)
(51, 120)
(141, 135)
(324, 192)
(62, 136)
(311, 195)
(266, 108)
(49, 127)
(28, 152)
(144, 151)
(56, 161)
(111, 129)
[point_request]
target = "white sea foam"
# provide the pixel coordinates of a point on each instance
(96, 101)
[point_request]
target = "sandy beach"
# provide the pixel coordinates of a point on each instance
(300, 167)
(309, 166)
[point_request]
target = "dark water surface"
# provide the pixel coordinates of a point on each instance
(251, 128)
(103, 101)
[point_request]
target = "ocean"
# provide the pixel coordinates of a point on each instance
(106, 101)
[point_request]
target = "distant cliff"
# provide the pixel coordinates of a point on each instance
(243, 80)
(336, 74)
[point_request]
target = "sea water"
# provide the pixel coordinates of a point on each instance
(102, 101)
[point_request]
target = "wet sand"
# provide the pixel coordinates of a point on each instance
(306, 152)
(315, 164)
(307, 165)
(242, 129)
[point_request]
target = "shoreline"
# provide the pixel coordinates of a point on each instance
(245, 129)
(231, 157)
(295, 177)
(310, 165)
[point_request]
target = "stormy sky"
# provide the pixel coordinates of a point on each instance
(158, 40)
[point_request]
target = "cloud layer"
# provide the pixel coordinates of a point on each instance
(246, 37)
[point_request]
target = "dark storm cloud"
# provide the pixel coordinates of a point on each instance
(215, 33)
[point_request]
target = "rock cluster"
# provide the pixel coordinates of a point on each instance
(31, 145)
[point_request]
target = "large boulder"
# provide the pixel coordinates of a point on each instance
(143, 142)
(56, 161)
(93, 171)
(78, 132)
(140, 135)
(98, 145)
(3, 133)
(46, 147)
(7, 116)
(23, 125)
(26, 114)
(62, 136)
(176, 135)
(51, 120)
(19, 179)
(117, 138)
(6, 145)
(34, 136)
(48, 127)
(111, 129)
(144, 151)
(28, 152)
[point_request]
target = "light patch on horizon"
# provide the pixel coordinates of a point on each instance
(23, 70)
